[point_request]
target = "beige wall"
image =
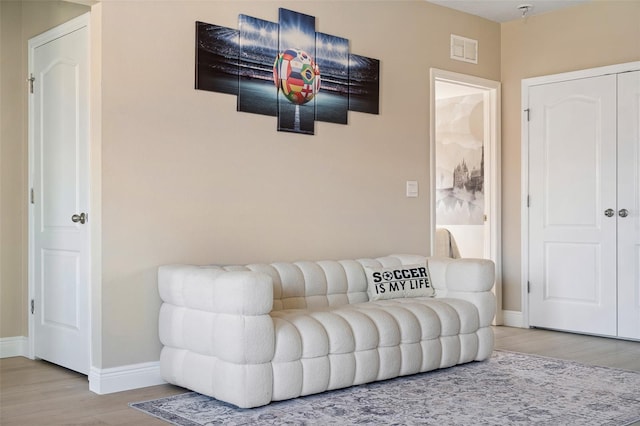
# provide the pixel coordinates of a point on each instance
(12, 249)
(186, 178)
(19, 21)
(586, 36)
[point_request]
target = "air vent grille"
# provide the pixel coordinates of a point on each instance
(464, 49)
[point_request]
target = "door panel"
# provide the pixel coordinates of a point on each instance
(570, 147)
(569, 262)
(59, 123)
(629, 199)
(572, 134)
(59, 142)
(60, 273)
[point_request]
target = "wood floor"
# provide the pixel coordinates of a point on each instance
(585, 349)
(39, 393)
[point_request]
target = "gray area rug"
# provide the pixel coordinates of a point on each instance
(508, 389)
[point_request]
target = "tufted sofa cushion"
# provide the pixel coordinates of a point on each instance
(323, 349)
(315, 284)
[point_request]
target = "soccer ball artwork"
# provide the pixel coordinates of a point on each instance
(297, 75)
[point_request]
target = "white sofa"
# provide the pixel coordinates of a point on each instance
(249, 335)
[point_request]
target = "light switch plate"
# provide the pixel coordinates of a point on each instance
(412, 188)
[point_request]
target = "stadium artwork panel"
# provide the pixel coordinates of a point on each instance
(256, 50)
(286, 70)
(217, 66)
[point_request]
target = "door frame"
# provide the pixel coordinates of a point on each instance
(35, 42)
(492, 96)
(524, 165)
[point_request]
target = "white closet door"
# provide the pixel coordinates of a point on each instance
(629, 205)
(60, 126)
(572, 183)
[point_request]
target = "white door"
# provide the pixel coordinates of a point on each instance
(629, 205)
(59, 117)
(572, 213)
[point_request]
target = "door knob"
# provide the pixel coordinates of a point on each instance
(609, 212)
(623, 213)
(82, 218)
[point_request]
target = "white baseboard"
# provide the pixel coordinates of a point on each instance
(13, 346)
(118, 379)
(513, 319)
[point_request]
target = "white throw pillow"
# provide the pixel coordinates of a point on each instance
(398, 281)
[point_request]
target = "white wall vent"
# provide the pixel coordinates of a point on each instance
(464, 49)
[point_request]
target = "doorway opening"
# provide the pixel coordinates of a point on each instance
(465, 169)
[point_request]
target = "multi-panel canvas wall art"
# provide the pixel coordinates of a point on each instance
(286, 70)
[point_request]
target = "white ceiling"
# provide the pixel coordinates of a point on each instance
(505, 10)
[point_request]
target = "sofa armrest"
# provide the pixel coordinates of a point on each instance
(462, 275)
(213, 289)
(467, 279)
(472, 275)
(213, 312)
